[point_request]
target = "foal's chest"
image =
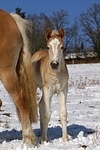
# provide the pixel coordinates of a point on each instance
(56, 82)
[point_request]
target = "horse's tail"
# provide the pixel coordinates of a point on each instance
(25, 69)
(39, 55)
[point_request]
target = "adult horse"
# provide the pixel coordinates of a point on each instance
(16, 71)
(51, 75)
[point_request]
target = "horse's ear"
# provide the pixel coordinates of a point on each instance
(61, 32)
(48, 33)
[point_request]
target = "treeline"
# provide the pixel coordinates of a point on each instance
(81, 35)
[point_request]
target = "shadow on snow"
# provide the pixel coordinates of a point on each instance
(53, 133)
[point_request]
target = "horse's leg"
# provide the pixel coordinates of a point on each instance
(11, 83)
(63, 113)
(44, 108)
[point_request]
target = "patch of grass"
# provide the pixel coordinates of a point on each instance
(83, 82)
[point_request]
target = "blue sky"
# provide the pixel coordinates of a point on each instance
(73, 7)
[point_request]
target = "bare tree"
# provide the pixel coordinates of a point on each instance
(40, 24)
(59, 19)
(69, 33)
(90, 22)
(73, 38)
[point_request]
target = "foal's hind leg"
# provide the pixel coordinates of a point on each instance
(63, 113)
(44, 107)
(12, 85)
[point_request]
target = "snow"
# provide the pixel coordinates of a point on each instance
(83, 123)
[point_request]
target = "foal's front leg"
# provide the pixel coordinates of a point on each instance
(44, 107)
(63, 113)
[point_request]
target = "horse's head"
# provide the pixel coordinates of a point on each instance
(55, 46)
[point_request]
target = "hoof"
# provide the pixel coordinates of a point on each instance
(44, 140)
(30, 141)
(65, 139)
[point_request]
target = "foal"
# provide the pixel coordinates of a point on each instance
(51, 75)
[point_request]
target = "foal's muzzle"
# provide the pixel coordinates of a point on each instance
(54, 65)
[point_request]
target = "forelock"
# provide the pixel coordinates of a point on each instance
(54, 32)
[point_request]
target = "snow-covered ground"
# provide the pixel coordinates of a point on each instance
(83, 106)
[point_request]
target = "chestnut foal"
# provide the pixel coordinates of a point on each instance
(51, 75)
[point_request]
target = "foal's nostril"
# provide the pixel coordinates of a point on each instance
(54, 65)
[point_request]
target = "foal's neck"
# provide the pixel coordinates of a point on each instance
(62, 64)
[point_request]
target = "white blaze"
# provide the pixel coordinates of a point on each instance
(54, 48)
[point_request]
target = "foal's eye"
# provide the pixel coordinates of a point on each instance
(47, 47)
(62, 47)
